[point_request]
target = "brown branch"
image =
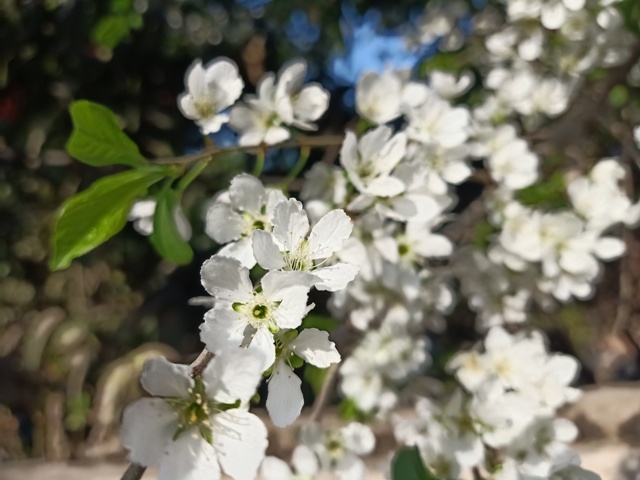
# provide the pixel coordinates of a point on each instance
(200, 363)
(322, 398)
(133, 472)
(320, 141)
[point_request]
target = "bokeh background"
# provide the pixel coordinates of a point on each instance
(72, 343)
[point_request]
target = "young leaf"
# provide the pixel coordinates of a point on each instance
(166, 237)
(98, 140)
(407, 465)
(93, 216)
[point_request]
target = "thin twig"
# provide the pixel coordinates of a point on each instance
(310, 142)
(200, 363)
(323, 396)
(133, 472)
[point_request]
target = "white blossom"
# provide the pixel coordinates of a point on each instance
(194, 429)
(210, 90)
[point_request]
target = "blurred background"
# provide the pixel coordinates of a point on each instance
(72, 343)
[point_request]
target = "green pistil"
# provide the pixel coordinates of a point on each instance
(258, 225)
(403, 249)
(260, 311)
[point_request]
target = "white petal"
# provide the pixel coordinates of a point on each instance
(385, 187)
(393, 151)
(564, 367)
(349, 152)
(226, 279)
(222, 329)
(435, 246)
(195, 79)
(142, 209)
(276, 284)
(358, 438)
(147, 425)
(162, 378)
(311, 103)
(189, 457)
(314, 347)
(305, 461)
(328, 235)
(273, 468)
(233, 375)
(241, 439)
(247, 193)
(456, 172)
(242, 251)
(497, 339)
(223, 224)
(290, 223)
(293, 308)
(350, 467)
(609, 248)
(263, 344)
(276, 135)
(266, 252)
(284, 401)
(336, 277)
(223, 73)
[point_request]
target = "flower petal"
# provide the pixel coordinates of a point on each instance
(226, 279)
(290, 224)
(328, 235)
(223, 224)
(314, 347)
(189, 457)
(247, 193)
(266, 252)
(233, 375)
(284, 401)
(241, 439)
(335, 277)
(162, 378)
(147, 425)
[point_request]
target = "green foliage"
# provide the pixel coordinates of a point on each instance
(321, 322)
(166, 237)
(631, 13)
(314, 376)
(111, 30)
(97, 138)
(549, 193)
(407, 465)
(618, 96)
(482, 232)
(91, 217)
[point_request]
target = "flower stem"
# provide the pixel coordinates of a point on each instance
(297, 168)
(192, 174)
(257, 170)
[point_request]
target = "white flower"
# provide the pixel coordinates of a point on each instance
(292, 247)
(142, 212)
(433, 120)
(248, 317)
(304, 462)
(210, 90)
(448, 86)
(379, 96)
(285, 401)
(196, 428)
(444, 165)
(339, 451)
(247, 206)
(286, 102)
(370, 160)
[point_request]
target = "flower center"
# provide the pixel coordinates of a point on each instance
(260, 311)
(205, 108)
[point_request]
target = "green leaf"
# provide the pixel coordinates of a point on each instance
(407, 465)
(97, 138)
(93, 216)
(111, 30)
(321, 322)
(550, 193)
(166, 237)
(314, 376)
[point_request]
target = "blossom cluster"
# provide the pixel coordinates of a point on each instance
(376, 232)
(502, 421)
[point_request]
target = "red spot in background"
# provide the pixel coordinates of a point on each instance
(12, 100)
